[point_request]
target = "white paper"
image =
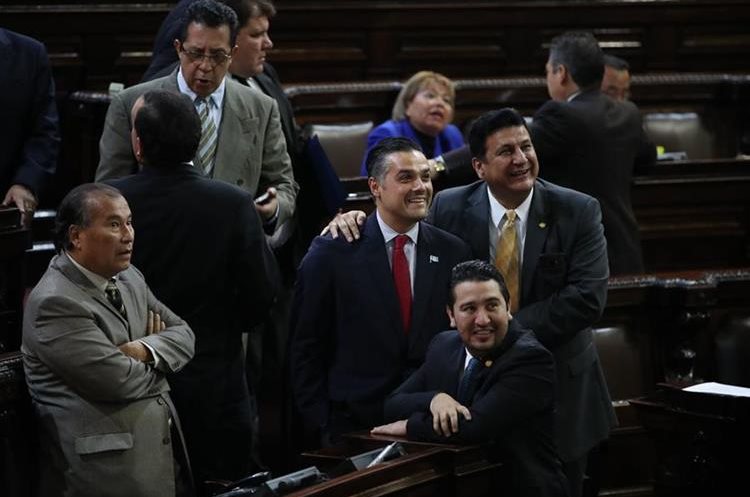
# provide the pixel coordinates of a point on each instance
(719, 389)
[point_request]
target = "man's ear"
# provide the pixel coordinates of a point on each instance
(478, 166)
(74, 235)
(450, 316)
(563, 74)
(374, 187)
(176, 45)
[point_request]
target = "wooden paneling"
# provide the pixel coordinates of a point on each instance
(93, 43)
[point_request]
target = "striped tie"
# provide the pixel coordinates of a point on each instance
(507, 257)
(207, 148)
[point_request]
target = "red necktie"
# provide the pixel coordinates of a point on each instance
(402, 280)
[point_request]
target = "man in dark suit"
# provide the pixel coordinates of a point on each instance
(591, 143)
(588, 142)
(364, 312)
(29, 136)
(97, 346)
(563, 269)
(244, 144)
(202, 247)
(491, 382)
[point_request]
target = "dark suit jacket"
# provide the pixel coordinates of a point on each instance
(103, 416)
(592, 144)
(200, 244)
(563, 293)
(512, 407)
(29, 136)
(349, 346)
(163, 54)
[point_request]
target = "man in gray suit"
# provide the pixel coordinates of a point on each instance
(249, 151)
(96, 348)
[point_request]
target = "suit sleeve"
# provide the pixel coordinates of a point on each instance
(580, 302)
(312, 324)
(276, 170)
(414, 394)
(176, 344)
(39, 157)
(115, 151)
(67, 339)
(521, 390)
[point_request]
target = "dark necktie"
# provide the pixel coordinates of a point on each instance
(401, 278)
(466, 387)
(114, 297)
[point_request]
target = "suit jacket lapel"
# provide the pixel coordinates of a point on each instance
(376, 260)
(476, 222)
(238, 125)
(71, 272)
(537, 228)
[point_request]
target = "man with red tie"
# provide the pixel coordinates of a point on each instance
(364, 312)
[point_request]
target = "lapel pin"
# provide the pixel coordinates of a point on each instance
(488, 363)
(542, 224)
(434, 258)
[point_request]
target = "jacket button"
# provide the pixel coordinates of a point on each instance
(240, 182)
(165, 440)
(160, 401)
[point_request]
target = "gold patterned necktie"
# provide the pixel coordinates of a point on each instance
(507, 257)
(207, 147)
(115, 298)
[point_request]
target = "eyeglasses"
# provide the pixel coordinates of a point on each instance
(215, 58)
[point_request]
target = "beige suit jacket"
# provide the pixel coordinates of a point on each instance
(251, 150)
(103, 417)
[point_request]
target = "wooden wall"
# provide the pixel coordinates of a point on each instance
(93, 43)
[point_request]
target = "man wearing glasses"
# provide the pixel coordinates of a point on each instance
(242, 142)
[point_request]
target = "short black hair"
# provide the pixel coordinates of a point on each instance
(168, 128)
(75, 209)
(490, 122)
(616, 62)
(211, 14)
(476, 270)
(250, 9)
(580, 53)
(377, 157)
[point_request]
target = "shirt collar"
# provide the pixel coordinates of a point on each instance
(217, 96)
(389, 233)
(98, 281)
(573, 96)
(497, 211)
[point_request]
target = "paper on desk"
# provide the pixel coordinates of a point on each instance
(719, 389)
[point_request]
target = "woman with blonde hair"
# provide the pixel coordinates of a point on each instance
(423, 112)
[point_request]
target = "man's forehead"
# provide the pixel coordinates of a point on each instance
(407, 160)
(477, 291)
(510, 135)
(199, 34)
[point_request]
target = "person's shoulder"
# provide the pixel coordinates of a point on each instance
(236, 91)
(562, 195)
(443, 238)
(457, 193)
(20, 41)
(388, 128)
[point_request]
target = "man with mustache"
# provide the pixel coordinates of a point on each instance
(364, 312)
(242, 141)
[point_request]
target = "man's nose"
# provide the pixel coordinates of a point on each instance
(268, 42)
(482, 318)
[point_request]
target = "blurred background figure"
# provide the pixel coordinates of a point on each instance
(29, 136)
(616, 79)
(423, 112)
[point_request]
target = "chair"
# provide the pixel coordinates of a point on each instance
(344, 144)
(680, 132)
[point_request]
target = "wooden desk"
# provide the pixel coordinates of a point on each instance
(700, 441)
